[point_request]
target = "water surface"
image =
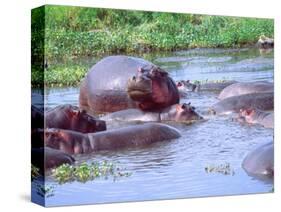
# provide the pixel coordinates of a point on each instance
(176, 168)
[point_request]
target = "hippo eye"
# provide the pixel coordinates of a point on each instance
(183, 106)
(192, 108)
(179, 84)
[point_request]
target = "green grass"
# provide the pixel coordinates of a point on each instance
(74, 32)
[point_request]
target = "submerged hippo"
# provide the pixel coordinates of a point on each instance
(255, 116)
(262, 101)
(265, 42)
(72, 118)
(178, 113)
(133, 136)
(240, 88)
(47, 158)
(187, 86)
(260, 161)
(122, 82)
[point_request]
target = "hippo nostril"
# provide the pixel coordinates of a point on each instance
(134, 78)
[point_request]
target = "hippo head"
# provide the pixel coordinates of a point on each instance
(248, 113)
(152, 88)
(186, 112)
(61, 139)
(81, 121)
(186, 85)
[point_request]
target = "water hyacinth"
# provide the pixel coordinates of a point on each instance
(86, 172)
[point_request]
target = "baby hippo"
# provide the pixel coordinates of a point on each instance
(72, 118)
(177, 113)
(255, 116)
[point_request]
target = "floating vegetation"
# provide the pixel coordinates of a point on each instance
(224, 169)
(87, 172)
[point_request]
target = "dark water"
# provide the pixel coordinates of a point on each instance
(176, 169)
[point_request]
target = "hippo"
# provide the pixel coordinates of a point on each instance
(48, 158)
(262, 101)
(256, 116)
(71, 117)
(246, 88)
(260, 161)
(121, 82)
(265, 42)
(187, 86)
(178, 113)
(72, 142)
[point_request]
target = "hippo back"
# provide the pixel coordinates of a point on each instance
(260, 161)
(241, 88)
(113, 72)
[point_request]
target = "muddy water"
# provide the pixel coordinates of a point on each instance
(176, 168)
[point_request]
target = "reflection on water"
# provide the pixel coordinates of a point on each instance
(175, 169)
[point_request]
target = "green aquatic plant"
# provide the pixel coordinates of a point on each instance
(224, 169)
(85, 172)
(63, 173)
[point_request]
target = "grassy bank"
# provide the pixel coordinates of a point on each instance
(73, 32)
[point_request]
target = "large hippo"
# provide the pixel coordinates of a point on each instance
(122, 82)
(260, 161)
(255, 116)
(186, 86)
(240, 88)
(47, 158)
(133, 136)
(265, 42)
(72, 118)
(262, 101)
(178, 113)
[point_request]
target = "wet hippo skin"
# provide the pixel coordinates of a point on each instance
(255, 116)
(72, 118)
(260, 161)
(262, 101)
(122, 82)
(133, 136)
(241, 88)
(178, 113)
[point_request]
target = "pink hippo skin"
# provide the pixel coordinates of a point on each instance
(121, 82)
(72, 118)
(177, 113)
(133, 136)
(255, 116)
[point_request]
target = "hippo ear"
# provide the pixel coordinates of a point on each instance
(75, 112)
(188, 81)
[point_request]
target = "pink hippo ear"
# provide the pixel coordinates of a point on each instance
(179, 107)
(75, 112)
